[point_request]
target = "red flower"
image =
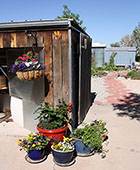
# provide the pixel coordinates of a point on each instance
(33, 60)
(28, 57)
(70, 105)
(69, 108)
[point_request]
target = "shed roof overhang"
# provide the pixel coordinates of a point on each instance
(132, 49)
(41, 24)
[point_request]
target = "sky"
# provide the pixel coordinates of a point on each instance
(107, 21)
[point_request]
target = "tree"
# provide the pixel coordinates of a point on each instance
(126, 41)
(135, 39)
(116, 44)
(68, 14)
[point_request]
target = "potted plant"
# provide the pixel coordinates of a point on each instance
(28, 66)
(63, 152)
(87, 139)
(34, 145)
(53, 122)
(101, 125)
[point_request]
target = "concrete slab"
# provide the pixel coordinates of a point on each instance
(123, 148)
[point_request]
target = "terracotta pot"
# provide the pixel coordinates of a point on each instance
(29, 75)
(104, 135)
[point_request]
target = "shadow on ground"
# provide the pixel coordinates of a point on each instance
(129, 106)
(93, 96)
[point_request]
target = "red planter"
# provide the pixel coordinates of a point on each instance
(54, 134)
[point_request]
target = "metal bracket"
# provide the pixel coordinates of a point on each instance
(3, 70)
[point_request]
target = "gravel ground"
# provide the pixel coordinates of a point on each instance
(132, 85)
(99, 88)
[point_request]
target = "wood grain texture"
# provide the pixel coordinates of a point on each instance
(57, 68)
(1, 40)
(40, 39)
(13, 40)
(6, 40)
(65, 67)
(21, 40)
(48, 63)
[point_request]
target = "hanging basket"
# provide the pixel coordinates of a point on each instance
(30, 75)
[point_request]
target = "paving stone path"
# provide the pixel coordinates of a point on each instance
(117, 92)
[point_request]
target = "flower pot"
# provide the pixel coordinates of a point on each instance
(104, 135)
(29, 75)
(63, 157)
(81, 150)
(56, 134)
(36, 154)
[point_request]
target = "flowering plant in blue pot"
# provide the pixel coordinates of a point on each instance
(63, 152)
(28, 66)
(88, 139)
(34, 145)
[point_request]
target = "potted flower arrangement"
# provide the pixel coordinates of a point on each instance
(101, 126)
(53, 122)
(63, 152)
(34, 145)
(28, 66)
(88, 139)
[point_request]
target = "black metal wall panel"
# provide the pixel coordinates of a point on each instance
(84, 76)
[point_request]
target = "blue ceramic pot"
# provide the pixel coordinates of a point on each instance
(35, 154)
(80, 148)
(63, 157)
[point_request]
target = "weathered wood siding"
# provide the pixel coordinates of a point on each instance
(55, 45)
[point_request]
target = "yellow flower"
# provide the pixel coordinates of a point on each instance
(100, 123)
(28, 146)
(59, 144)
(31, 138)
(33, 145)
(55, 146)
(23, 138)
(19, 141)
(39, 143)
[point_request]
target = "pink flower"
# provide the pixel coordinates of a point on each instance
(28, 57)
(24, 58)
(24, 55)
(20, 58)
(36, 53)
(33, 60)
(22, 62)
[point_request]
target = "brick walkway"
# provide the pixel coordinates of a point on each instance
(115, 88)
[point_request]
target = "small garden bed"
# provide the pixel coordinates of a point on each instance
(134, 75)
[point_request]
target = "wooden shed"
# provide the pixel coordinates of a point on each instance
(65, 49)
